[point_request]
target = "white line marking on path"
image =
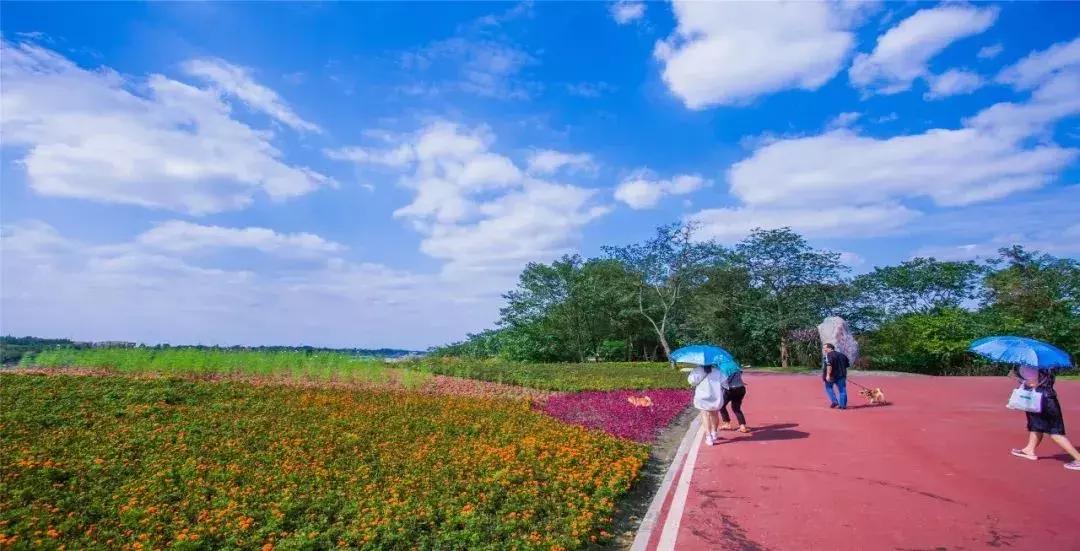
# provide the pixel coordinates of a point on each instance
(648, 524)
(678, 503)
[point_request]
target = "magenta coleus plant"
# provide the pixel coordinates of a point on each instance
(614, 413)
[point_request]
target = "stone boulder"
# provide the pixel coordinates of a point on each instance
(836, 331)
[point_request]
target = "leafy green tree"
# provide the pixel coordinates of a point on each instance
(917, 285)
(666, 268)
(1038, 295)
(793, 284)
(934, 342)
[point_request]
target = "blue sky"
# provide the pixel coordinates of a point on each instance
(376, 174)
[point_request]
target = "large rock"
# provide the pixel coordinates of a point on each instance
(835, 330)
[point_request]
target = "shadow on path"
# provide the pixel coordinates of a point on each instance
(779, 431)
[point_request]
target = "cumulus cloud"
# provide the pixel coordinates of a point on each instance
(643, 190)
(953, 82)
(993, 148)
(478, 211)
(725, 53)
(182, 237)
(237, 82)
(627, 11)
(85, 134)
(858, 184)
(902, 53)
(548, 161)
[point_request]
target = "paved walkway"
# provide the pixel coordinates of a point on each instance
(930, 471)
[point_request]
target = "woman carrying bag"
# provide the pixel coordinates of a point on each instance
(1048, 418)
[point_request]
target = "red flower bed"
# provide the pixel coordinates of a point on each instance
(613, 412)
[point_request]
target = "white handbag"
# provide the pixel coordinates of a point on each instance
(1025, 399)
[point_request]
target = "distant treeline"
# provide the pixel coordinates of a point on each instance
(14, 348)
(763, 298)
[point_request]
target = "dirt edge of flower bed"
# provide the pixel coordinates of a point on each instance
(632, 506)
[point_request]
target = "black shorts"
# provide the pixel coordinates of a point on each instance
(1049, 420)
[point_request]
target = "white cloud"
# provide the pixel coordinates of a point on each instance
(858, 184)
(725, 53)
(182, 237)
(844, 120)
(953, 82)
(1053, 77)
(627, 11)
(395, 158)
(1038, 68)
(993, 147)
(237, 81)
(902, 53)
(87, 135)
(548, 161)
(828, 219)
(851, 259)
(59, 286)
(483, 67)
(643, 190)
(990, 52)
(849, 168)
(478, 211)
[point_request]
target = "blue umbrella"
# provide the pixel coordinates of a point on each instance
(705, 354)
(1022, 351)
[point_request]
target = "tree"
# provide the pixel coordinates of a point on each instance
(795, 284)
(665, 268)
(918, 285)
(1038, 294)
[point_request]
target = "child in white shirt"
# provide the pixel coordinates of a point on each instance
(708, 395)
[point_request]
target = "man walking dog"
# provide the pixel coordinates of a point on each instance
(834, 372)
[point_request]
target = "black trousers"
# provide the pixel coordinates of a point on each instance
(734, 396)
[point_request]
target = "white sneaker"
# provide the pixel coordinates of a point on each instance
(710, 439)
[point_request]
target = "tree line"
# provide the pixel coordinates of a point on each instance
(763, 298)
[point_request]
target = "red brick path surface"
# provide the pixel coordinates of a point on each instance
(929, 471)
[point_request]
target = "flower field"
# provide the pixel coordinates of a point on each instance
(156, 463)
(612, 411)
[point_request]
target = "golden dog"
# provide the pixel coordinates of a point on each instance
(873, 395)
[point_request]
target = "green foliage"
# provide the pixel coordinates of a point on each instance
(763, 299)
(1039, 295)
(203, 361)
(12, 349)
(918, 285)
(124, 463)
(556, 376)
(933, 342)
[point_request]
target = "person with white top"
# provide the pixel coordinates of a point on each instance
(708, 382)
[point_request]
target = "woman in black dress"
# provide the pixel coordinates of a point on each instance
(1049, 420)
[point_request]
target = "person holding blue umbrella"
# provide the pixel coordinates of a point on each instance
(714, 368)
(1034, 363)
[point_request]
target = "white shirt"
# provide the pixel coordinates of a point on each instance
(708, 389)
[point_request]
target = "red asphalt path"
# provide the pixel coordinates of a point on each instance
(929, 471)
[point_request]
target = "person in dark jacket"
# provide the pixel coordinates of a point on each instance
(834, 373)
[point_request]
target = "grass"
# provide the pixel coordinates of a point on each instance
(558, 377)
(192, 361)
(136, 463)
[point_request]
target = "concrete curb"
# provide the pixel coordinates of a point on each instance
(652, 516)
